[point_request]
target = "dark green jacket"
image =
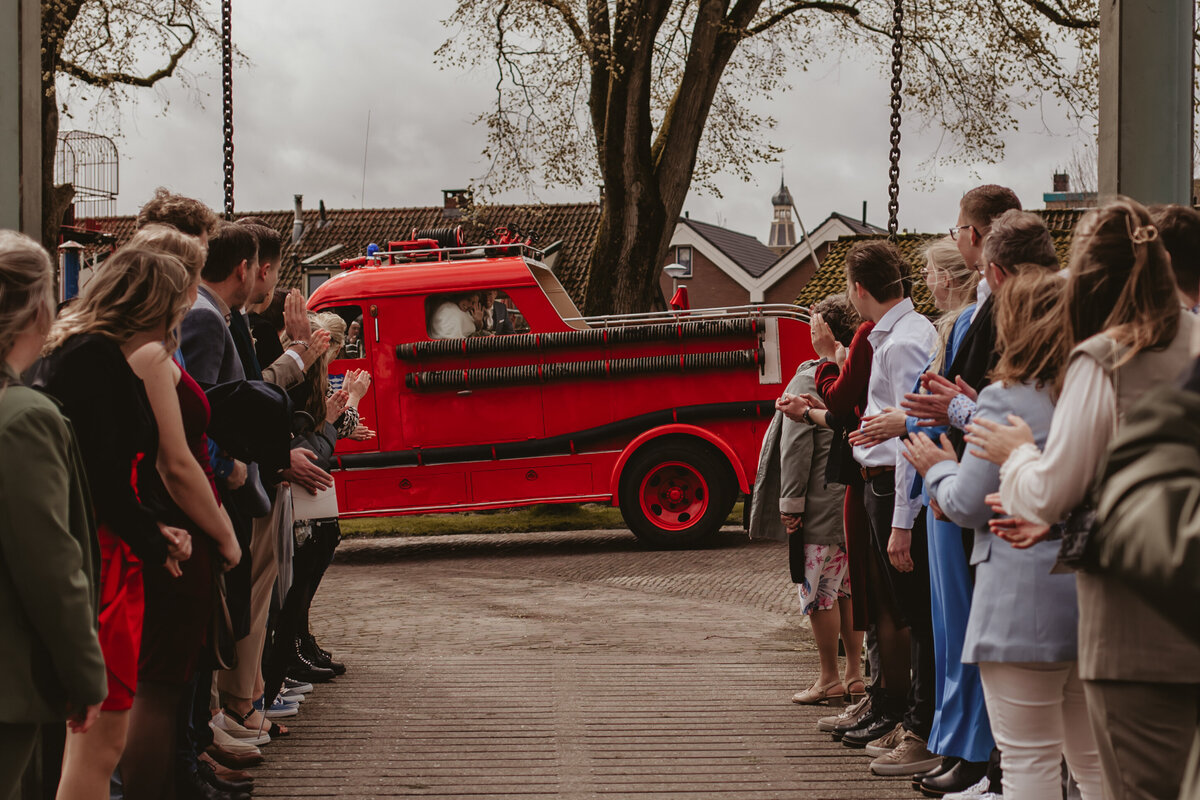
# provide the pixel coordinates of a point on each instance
(1148, 510)
(49, 564)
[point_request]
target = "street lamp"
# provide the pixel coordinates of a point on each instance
(676, 271)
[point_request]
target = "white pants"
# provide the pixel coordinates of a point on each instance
(1039, 714)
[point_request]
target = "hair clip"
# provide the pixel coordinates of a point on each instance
(1142, 233)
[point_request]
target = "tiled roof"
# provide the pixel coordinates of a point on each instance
(831, 277)
(1061, 219)
(744, 250)
(573, 223)
(857, 225)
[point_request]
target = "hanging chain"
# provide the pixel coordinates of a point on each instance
(227, 99)
(894, 170)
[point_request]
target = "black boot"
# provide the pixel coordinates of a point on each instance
(947, 764)
(191, 786)
(303, 668)
(319, 656)
(209, 776)
(960, 777)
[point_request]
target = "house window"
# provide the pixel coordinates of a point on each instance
(683, 257)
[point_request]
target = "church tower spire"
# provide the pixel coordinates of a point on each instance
(783, 230)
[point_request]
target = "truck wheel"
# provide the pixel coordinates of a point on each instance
(676, 494)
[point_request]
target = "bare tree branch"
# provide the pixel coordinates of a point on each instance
(802, 5)
(569, 19)
(106, 79)
(1061, 16)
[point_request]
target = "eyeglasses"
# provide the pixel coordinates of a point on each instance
(954, 230)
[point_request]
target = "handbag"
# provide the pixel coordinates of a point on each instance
(1076, 532)
(1077, 551)
(221, 641)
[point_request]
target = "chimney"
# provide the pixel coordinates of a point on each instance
(455, 201)
(864, 212)
(298, 219)
(1062, 182)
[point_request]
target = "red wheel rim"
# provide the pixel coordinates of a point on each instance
(673, 495)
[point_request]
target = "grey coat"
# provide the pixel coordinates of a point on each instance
(791, 476)
(212, 358)
(1019, 611)
(49, 564)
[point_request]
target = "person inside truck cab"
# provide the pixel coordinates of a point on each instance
(353, 348)
(453, 317)
(495, 313)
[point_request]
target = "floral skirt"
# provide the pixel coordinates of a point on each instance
(826, 577)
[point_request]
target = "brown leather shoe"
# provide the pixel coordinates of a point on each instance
(907, 758)
(232, 760)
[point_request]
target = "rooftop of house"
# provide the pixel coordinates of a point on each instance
(831, 277)
(353, 229)
(744, 250)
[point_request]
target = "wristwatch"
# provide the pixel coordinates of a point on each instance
(807, 415)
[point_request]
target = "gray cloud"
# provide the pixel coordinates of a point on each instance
(316, 71)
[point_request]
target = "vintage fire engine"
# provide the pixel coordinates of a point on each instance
(660, 413)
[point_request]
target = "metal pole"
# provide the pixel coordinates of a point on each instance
(1146, 66)
(21, 116)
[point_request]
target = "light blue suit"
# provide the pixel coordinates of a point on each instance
(960, 722)
(1019, 611)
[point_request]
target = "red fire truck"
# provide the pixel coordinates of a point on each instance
(661, 413)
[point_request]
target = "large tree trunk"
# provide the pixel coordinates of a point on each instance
(646, 177)
(57, 18)
(56, 199)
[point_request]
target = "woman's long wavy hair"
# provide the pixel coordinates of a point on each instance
(1029, 337)
(1121, 281)
(317, 376)
(137, 289)
(942, 257)
(26, 289)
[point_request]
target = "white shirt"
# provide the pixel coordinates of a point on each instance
(903, 341)
(1046, 486)
(450, 322)
(982, 292)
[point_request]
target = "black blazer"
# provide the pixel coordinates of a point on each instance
(107, 405)
(975, 359)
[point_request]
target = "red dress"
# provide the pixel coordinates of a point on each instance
(845, 392)
(179, 610)
(121, 611)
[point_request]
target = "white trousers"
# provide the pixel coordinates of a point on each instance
(1038, 715)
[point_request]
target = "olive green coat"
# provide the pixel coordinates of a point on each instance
(49, 564)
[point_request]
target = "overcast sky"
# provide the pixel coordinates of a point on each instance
(317, 70)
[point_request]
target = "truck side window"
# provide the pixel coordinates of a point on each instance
(355, 346)
(459, 315)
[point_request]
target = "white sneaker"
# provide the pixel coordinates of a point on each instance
(977, 792)
(225, 740)
(239, 732)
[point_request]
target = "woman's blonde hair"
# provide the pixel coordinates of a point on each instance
(1029, 309)
(943, 257)
(170, 240)
(317, 376)
(1120, 280)
(135, 290)
(26, 288)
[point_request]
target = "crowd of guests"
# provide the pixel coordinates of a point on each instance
(1005, 500)
(168, 513)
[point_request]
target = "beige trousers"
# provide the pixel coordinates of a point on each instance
(264, 569)
(1145, 733)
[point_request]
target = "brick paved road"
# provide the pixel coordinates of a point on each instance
(572, 665)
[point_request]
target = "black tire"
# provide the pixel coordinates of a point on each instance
(661, 470)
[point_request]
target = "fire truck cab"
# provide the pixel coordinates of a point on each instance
(661, 414)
